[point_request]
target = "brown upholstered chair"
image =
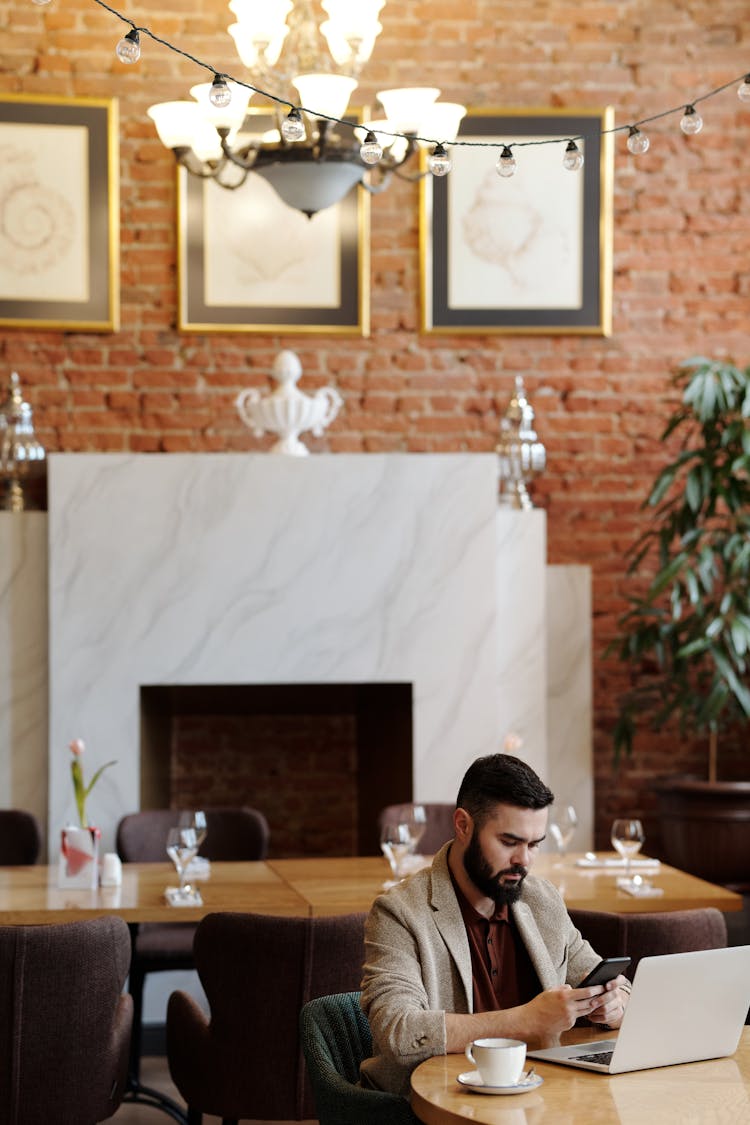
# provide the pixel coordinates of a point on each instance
(232, 834)
(246, 1061)
(648, 935)
(64, 1022)
(20, 838)
(439, 823)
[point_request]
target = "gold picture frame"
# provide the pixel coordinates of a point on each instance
(529, 254)
(247, 262)
(59, 213)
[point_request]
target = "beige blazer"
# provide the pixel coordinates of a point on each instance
(418, 965)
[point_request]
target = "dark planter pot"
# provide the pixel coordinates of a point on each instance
(705, 828)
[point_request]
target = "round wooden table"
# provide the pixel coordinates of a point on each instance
(717, 1090)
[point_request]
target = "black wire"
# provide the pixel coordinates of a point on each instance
(424, 140)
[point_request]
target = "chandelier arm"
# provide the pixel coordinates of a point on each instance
(396, 166)
(187, 159)
(410, 177)
(229, 186)
(230, 157)
(373, 187)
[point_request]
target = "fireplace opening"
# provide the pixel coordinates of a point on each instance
(319, 760)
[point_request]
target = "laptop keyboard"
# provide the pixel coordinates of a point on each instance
(604, 1057)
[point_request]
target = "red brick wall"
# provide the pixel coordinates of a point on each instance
(301, 770)
(681, 280)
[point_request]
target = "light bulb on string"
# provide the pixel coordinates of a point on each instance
(219, 95)
(439, 162)
(371, 150)
(743, 90)
(293, 127)
(573, 157)
(506, 163)
(638, 142)
(691, 122)
(128, 50)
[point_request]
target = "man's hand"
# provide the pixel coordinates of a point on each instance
(543, 1019)
(612, 1002)
(556, 1010)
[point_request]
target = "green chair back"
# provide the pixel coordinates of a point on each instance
(335, 1037)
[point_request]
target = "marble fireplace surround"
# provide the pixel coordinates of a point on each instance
(229, 568)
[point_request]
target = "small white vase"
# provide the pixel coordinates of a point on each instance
(79, 857)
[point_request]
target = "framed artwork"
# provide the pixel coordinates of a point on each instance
(247, 262)
(59, 213)
(531, 253)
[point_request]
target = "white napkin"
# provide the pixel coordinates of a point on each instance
(641, 890)
(174, 898)
(616, 863)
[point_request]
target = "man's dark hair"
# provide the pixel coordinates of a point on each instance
(501, 779)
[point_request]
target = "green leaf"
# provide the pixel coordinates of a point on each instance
(694, 490)
(740, 638)
(741, 693)
(97, 775)
(701, 644)
(714, 627)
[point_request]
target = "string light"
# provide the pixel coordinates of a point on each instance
(439, 162)
(293, 128)
(219, 95)
(128, 50)
(506, 163)
(691, 122)
(371, 150)
(638, 142)
(573, 158)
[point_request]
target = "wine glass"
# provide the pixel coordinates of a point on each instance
(182, 848)
(197, 821)
(417, 821)
(396, 843)
(562, 826)
(627, 838)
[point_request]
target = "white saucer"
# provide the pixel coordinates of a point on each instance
(472, 1080)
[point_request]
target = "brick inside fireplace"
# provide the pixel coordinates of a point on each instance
(319, 760)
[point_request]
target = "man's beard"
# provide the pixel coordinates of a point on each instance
(480, 873)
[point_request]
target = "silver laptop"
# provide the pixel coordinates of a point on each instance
(684, 1007)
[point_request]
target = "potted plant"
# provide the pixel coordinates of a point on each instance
(685, 638)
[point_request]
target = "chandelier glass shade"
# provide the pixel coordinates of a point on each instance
(308, 71)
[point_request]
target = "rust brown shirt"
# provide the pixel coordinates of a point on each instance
(501, 969)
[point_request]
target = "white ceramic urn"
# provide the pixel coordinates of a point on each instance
(287, 411)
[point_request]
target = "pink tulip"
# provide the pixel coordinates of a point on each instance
(512, 742)
(77, 747)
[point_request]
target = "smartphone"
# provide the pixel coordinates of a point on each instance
(606, 970)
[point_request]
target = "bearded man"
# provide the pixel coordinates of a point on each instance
(474, 945)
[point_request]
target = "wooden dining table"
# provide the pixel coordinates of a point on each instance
(717, 1090)
(332, 885)
(312, 887)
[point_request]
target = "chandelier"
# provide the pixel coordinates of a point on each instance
(306, 73)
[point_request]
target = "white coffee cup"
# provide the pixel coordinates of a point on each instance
(499, 1061)
(111, 873)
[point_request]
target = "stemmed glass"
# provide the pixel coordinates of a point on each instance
(396, 843)
(417, 821)
(627, 838)
(197, 821)
(562, 826)
(182, 848)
